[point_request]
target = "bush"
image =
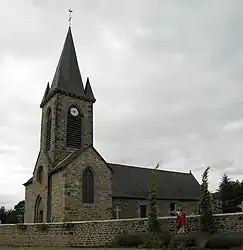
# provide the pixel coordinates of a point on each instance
(224, 241)
(157, 240)
(194, 239)
(138, 239)
(185, 240)
(130, 239)
(166, 235)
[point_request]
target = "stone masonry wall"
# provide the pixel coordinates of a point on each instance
(58, 197)
(60, 105)
(130, 208)
(98, 233)
(75, 209)
(33, 190)
(61, 110)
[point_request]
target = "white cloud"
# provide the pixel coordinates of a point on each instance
(232, 126)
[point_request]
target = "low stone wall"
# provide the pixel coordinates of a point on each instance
(98, 233)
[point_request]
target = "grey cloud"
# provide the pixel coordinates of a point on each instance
(166, 75)
(9, 151)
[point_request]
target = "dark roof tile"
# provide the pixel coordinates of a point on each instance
(30, 181)
(45, 94)
(67, 76)
(88, 91)
(134, 182)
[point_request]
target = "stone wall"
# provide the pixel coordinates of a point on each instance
(61, 108)
(58, 197)
(32, 191)
(130, 208)
(98, 233)
(75, 209)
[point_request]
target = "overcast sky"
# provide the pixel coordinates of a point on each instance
(167, 76)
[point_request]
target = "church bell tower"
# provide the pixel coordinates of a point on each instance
(67, 108)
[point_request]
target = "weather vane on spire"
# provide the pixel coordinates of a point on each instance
(70, 17)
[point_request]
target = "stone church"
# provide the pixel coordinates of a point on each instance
(71, 181)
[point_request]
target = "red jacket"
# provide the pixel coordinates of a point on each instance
(180, 220)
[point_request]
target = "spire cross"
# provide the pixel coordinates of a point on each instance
(70, 17)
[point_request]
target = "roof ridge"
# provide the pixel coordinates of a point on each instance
(148, 168)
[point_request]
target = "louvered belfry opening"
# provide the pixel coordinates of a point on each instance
(74, 131)
(88, 186)
(48, 130)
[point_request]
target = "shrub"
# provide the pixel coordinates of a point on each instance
(186, 240)
(130, 239)
(166, 235)
(225, 241)
(141, 239)
(157, 240)
(194, 239)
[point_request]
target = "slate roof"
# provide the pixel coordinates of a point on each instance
(67, 78)
(134, 182)
(88, 91)
(30, 181)
(46, 93)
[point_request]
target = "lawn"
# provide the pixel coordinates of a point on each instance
(59, 248)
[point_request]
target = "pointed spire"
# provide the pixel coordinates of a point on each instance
(88, 91)
(46, 93)
(67, 78)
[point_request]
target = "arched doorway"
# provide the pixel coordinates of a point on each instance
(39, 210)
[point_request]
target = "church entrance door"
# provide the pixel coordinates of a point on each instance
(39, 211)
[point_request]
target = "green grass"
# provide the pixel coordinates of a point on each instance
(62, 248)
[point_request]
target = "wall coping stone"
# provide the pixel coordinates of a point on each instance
(120, 220)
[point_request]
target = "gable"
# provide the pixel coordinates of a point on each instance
(134, 182)
(89, 160)
(89, 152)
(90, 157)
(42, 160)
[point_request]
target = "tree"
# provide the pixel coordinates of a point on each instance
(3, 214)
(153, 240)
(207, 221)
(224, 191)
(12, 216)
(19, 209)
(153, 222)
(230, 194)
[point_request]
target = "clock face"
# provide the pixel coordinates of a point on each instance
(74, 111)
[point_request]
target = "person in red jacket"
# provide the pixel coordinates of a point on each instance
(180, 221)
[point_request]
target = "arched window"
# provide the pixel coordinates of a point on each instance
(48, 129)
(88, 186)
(74, 128)
(39, 210)
(39, 176)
